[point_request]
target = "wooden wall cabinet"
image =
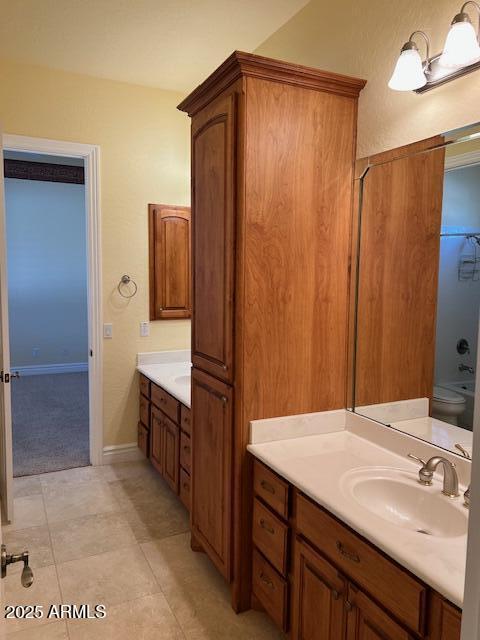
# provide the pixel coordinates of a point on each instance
(169, 261)
(273, 148)
(398, 274)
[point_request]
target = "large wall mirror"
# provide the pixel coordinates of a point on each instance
(416, 313)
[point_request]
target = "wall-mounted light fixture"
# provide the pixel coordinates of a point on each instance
(460, 55)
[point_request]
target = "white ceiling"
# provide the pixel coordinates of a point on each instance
(172, 44)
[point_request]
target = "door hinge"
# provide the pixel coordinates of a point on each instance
(4, 377)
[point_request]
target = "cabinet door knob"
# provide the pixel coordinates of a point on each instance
(348, 606)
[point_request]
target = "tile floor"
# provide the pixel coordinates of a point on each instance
(116, 535)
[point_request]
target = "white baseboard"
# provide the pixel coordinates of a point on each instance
(122, 453)
(44, 369)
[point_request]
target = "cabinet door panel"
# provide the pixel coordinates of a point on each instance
(212, 468)
(156, 439)
(445, 619)
(318, 601)
(366, 621)
(213, 193)
(170, 271)
(171, 453)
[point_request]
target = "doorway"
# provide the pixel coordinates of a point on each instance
(48, 318)
(88, 156)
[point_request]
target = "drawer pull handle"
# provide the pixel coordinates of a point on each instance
(266, 580)
(267, 486)
(266, 526)
(348, 606)
(348, 554)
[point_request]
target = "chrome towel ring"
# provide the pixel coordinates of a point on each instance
(124, 281)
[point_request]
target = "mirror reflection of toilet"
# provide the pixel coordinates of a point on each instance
(447, 405)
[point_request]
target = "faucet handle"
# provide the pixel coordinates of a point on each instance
(417, 459)
(425, 475)
(463, 451)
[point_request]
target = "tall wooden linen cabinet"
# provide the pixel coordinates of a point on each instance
(273, 148)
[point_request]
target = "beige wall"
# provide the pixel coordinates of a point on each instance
(363, 38)
(144, 144)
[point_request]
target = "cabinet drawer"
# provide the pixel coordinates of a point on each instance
(185, 488)
(186, 419)
(144, 386)
(144, 411)
(185, 452)
(143, 439)
(271, 488)
(164, 401)
(397, 590)
(270, 589)
(270, 535)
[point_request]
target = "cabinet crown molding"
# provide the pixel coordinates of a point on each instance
(244, 64)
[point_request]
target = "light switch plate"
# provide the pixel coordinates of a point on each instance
(108, 330)
(144, 329)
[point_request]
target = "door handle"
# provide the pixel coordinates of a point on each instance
(6, 559)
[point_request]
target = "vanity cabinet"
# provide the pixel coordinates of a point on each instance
(321, 580)
(169, 261)
(164, 436)
(273, 145)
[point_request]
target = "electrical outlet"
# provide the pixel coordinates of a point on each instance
(144, 329)
(108, 330)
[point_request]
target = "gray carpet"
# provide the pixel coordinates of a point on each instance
(50, 423)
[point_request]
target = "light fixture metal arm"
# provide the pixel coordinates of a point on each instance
(427, 43)
(477, 7)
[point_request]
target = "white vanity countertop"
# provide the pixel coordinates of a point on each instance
(171, 370)
(436, 431)
(318, 465)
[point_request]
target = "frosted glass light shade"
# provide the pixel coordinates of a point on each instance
(461, 46)
(408, 74)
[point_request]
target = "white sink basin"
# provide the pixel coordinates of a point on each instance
(397, 497)
(182, 379)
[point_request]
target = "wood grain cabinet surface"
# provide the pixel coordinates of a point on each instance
(212, 468)
(170, 261)
(163, 426)
(333, 584)
(273, 146)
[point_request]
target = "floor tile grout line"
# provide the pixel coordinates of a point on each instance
(55, 564)
(180, 626)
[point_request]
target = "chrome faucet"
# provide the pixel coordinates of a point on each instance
(450, 478)
(465, 367)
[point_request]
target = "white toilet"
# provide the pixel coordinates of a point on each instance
(447, 405)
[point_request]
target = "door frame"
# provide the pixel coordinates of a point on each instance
(91, 156)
